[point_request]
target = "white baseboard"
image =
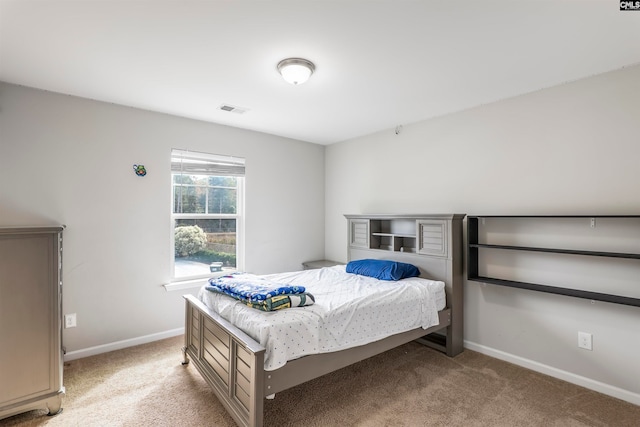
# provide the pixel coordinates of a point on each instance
(92, 351)
(594, 385)
(588, 383)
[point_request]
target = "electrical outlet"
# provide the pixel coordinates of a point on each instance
(70, 320)
(585, 340)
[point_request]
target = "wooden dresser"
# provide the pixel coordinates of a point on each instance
(30, 320)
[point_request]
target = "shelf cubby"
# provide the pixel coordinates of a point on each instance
(419, 234)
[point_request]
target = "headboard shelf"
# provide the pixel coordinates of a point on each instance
(426, 234)
(412, 236)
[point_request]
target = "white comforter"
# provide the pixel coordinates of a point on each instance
(350, 310)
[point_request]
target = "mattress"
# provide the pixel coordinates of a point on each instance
(350, 310)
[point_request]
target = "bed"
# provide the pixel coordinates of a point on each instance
(243, 372)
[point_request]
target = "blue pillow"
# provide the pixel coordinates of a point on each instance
(383, 269)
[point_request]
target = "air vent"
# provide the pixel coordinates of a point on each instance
(233, 109)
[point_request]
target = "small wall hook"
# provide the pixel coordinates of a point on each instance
(398, 129)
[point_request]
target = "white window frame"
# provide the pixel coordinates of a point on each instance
(188, 282)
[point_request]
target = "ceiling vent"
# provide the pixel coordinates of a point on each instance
(233, 109)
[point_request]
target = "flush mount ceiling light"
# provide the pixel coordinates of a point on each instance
(296, 70)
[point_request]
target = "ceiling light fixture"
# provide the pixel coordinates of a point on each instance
(296, 70)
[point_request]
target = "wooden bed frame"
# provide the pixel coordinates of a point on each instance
(232, 362)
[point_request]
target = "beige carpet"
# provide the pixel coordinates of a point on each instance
(409, 386)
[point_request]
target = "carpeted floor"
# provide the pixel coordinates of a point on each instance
(411, 385)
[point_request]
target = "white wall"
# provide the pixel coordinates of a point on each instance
(571, 149)
(66, 160)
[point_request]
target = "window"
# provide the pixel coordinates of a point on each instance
(207, 213)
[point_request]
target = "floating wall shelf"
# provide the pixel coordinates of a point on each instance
(475, 247)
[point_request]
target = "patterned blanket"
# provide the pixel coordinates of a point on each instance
(260, 293)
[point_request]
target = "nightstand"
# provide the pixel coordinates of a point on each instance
(310, 265)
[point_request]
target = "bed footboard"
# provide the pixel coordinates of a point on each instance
(230, 361)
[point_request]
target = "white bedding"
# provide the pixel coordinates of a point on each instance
(350, 310)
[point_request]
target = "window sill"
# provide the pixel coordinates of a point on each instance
(180, 285)
(185, 284)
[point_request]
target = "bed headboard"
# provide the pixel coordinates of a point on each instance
(431, 242)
